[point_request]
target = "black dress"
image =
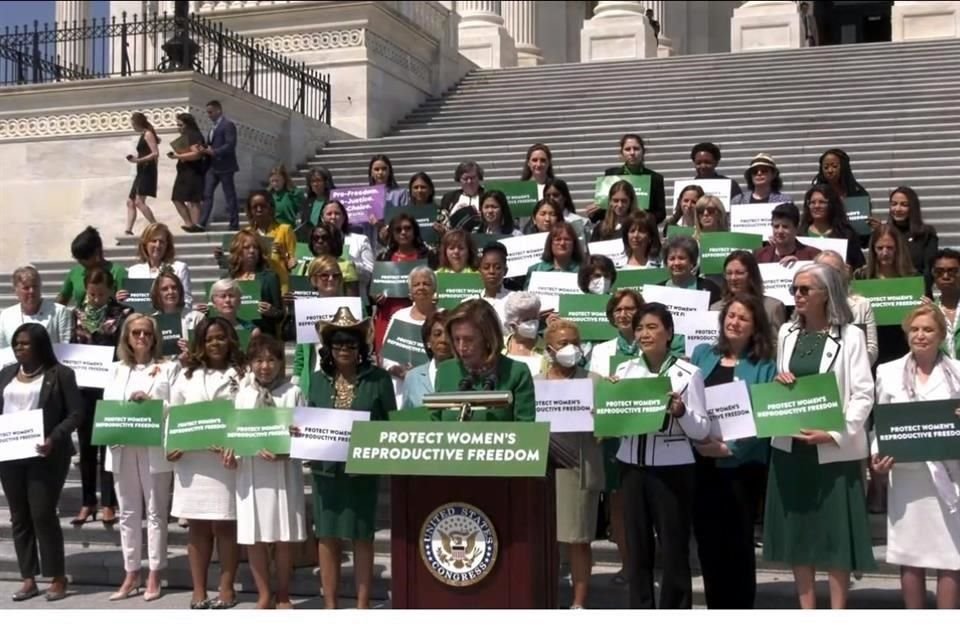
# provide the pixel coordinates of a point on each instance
(145, 182)
(188, 186)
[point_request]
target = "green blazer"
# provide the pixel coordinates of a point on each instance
(511, 376)
(374, 394)
(745, 450)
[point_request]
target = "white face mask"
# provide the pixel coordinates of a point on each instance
(568, 356)
(528, 329)
(599, 285)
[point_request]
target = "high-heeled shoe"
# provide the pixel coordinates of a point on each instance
(123, 595)
(150, 596)
(87, 514)
(108, 517)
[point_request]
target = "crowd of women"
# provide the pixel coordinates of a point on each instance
(809, 491)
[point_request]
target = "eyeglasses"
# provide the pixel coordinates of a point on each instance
(327, 276)
(802, 290)
(344, 346)
(141, 333)
(952, 271)
(710, 210)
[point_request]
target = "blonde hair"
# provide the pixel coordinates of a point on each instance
(557, 326)
(321, 263)
(148, 234)
(926, 310)
(711, 201)
(125, 352)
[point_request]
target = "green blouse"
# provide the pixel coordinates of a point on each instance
(511, 376)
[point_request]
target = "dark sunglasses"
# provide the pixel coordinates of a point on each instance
(803, 291)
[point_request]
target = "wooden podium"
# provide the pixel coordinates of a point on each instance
(522, 512)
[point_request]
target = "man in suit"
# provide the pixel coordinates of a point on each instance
(221, 150)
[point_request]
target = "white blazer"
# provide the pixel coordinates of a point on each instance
(672, 446)
(845, 354)
(600, 357)
(159, 389)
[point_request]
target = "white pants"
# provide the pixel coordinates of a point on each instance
(136, 486)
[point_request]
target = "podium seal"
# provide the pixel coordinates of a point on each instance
(458, 544)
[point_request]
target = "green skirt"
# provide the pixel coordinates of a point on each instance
(344, 506)
(816, 514)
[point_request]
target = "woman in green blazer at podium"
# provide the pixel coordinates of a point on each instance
(478, 365)
(345, 506)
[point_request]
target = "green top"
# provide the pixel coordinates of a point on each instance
(807, 353)
(374, 393)
(73, 290)
(511, 376)
(286, 205)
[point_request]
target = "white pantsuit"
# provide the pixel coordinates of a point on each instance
(142, 475)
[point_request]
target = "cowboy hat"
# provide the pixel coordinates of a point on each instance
(343, 320)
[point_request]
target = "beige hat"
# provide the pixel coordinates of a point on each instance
(760, 160)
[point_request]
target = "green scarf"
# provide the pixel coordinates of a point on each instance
(92, 318)
(626, 348)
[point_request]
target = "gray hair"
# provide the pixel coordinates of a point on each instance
(838, 309)
(416, 271)
(225, 285)
(830, 254)
(26, 273)
(682, 243)
(518, 303)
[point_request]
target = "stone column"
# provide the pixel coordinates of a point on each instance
(618, 30)
(74, 52)
(520, 17)
(764, 24)
(483, 38)
(925, 20)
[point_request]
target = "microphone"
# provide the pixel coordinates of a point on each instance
(490, 383)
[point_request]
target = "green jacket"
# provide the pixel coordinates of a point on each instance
(511, 376)
(287, 205)
(374, 394)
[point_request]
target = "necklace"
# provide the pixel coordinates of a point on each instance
(809, 342)
(32, 374)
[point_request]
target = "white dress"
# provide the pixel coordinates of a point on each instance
(270, 499)
(203, 488)
(920, 530)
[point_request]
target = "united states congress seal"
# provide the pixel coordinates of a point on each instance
(458, 544)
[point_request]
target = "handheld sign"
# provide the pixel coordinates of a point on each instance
(521, 195)
(752, 218)
(197, 426)
(423, 214)
(566, 405)
(523, 252)
(323, 434)
(250, 431)
(891, 298)
(630, 407)
(90, 363)
(729, 410)
(777, 279)
(711, 187)
(403, 345)
(391, 278)
(20, 433)
(128, 423)
(640, 184)
(589, 311)
(812, 402)
(309, 311)
(361, 202)
(139, 298)
(717, 245)
(453, 288)
(679, 301)
(918, 431)
(171, 332)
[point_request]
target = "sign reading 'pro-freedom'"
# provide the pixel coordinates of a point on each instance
(510, 449)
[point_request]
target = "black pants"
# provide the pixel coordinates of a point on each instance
(32, 488)
(92, 457)
(658, 499)
(725, 510)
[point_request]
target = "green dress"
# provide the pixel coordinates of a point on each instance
(816, 514)
(345, 506)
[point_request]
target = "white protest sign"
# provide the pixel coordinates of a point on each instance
(20, 433)
(711, 187)
(729, 410)
(752, 218)
(7, 357)
(523, 252)
(613, 249)
(309, 311)
(549, 285)
(90, 363)
(826, 244)
(566, 404)
(323, 434)
(778, 278)
(679, 301)
(698, 327)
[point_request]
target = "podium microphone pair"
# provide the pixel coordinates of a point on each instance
(466, 400)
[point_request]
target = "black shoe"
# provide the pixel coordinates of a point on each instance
(22, 595)
(234, 227)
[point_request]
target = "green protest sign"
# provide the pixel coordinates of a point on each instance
(630, 407)
(891, 298)
(390, 278)
(590, 313)
(675, 230)
(636, 278)
(452, 288)
(715, 246)
(171, 332)
(812, 402)
(918, 431)
(300, 287)
(139, 294)
(640, 184)
(250, 431)
(617, 359)
(478, 449)
(140, 424)
(249, 308)
(198, 426)
(403, 344)
(521, 195)
(424, 215)
(858, 211)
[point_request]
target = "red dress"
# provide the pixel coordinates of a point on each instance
(390, 306)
